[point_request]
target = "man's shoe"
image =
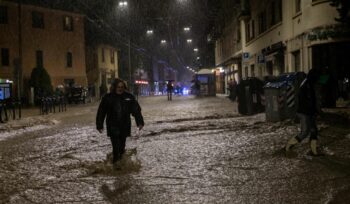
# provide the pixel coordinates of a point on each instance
(313, 147)
(292, 141)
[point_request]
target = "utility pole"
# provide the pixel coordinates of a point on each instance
(126, 8)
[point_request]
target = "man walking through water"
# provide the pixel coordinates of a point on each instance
(307, 111)
(118, 105)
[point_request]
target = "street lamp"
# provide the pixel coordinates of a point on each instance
(195, 49)
(163, 42)
(186, 29)
(149, 32)
(123, 4)
(189, 40)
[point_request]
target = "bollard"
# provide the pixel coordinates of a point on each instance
(19, 110)
(5, 111)
(13, 110)
(46, 108)
(50, 104)
(2, 110)
(53, 103)
(59, 104)
(42, 107)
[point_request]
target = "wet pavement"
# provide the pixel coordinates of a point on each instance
(192, 150)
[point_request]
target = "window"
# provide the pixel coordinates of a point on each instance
(252, 35)
(252, 70)
(112, 56)
(297, 6)
(69, 82)
(219, 48)
(69, 59)
(269, 68)
(260, 72)
(262, 22)
(3, 15)
(39, 58)
(37, 19)
(5, 57)
(296, 60)
(246, 72)
(247, 31)
(278, 11)
(273, 14)
(68, 23)
(250, 30)
(238, 35)
(103, 55)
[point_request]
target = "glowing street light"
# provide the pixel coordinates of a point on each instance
(189, 40)
(123, 3)
(163, 42)
(149, 32)
(123, 6)
(195, 49)
(187, 29)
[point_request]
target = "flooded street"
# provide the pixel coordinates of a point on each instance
(191, 150)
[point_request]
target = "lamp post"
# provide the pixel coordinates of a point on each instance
(123, 5)
(18, 62)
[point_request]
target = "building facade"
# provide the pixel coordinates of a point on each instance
(280, 36)
(228, 47)
(41, 37)
(101, 68)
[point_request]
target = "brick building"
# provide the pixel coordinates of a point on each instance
(44, 37)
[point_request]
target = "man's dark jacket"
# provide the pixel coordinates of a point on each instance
(118, 109)
(307, 99)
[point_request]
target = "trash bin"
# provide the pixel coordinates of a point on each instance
(249, 93)
(241, 96)
(291, 90)
(273, 101)
(257, 91)
(281, 96)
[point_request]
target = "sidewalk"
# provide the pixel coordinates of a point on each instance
(31, 118)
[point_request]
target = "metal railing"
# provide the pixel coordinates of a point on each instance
(49, 104)
(10, 109)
